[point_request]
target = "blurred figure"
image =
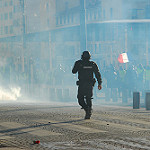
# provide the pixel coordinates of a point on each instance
(111, 77)
(59, 75)
(31, 71)
(85, 69)
(140, 78)
(147, 78)
(130, 80)
(120, 80)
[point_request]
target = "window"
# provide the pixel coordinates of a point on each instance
(17, 9)
(10, 15)
(6, 4)
(72, 18)
(1, 30)
(65, 19)
(47, 7)
(104, 14)
(147, 14)
(113, 34)
(134, 14)
(1, 4)
(11, 3)
(56, 20)
(14, 9)
(111, 13)
(90, 15)
(66, 5)
(103, 34)
(6, 16)
(48, 22)
(11, 29)
(6, 29)
(68, 18)
(95, 14)
(1, 17)
(99, 14)
(60, 19)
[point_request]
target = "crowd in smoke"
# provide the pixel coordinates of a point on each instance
(124, 80)
(33, 76)
(120, 81)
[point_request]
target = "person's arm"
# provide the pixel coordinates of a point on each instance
(99, 87)
(98, 76)
(76, 67)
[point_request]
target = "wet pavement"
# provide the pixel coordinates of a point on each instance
(62, 127)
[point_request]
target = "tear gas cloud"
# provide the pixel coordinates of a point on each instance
(41, 39)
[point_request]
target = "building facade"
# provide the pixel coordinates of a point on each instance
(105, 28)
(52, 34)
(111, 28)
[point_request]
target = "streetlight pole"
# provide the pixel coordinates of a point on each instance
(23, 34)
(83, 28)
(147, 56)
(126, 41)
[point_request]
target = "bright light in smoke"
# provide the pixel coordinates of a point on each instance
(35, 15)
(10, 94)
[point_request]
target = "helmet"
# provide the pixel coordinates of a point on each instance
(86, 55)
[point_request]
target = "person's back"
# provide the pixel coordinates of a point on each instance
(85, 69)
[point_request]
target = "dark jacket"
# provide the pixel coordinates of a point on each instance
(85, 69)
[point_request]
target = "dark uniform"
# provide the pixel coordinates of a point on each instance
(85, 69)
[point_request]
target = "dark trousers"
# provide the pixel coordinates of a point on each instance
(85, 93)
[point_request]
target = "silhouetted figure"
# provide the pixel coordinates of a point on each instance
(147, 78)
(111, 77)
(120, 80)
(140, 78)
(130, 80)
(85, 69)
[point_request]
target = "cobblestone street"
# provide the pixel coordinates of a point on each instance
(62, 127)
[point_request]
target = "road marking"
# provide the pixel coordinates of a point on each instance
(39, 132)
(12, 125)
(11, 148)
(117, 126)
(3, 136)
(34, 131)
(124, 119)
(70, 126)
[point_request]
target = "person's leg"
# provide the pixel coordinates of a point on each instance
(89, 108)
(89, 95)
(89, 101)
(80, 97)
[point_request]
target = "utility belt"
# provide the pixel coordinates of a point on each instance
(91, 82)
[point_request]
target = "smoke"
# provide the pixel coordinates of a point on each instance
(38, 63)
(12, 93)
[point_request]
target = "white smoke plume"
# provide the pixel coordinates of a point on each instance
(12, 93)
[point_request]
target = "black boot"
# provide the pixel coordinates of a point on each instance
(88, 113)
